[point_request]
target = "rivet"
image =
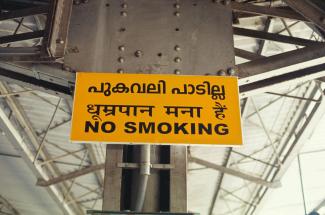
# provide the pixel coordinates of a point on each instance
(138, 53)
(222, 73)
(121, 48)
(124, 5)
(121, 60)
(177, 71)
(60, 41)
(226, 2)
(123, 13)
(177, 13)
(177, 59)
(177, 48)
(120, 71)
(76, 2)
(231, 71)
(177, 6)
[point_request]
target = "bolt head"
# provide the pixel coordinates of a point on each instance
(76, 2)
(138, 53)
(231, 71)
(60, 41)
(124, 5)
(120, 71)
(177, 14)
(121, 60)
(123, 13)
(222, 73)
(177, 48)
(177, 6)
(226, 2)
(121, 48)
(177, 71)
(178, 59)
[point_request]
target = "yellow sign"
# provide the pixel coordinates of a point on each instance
(156, 109)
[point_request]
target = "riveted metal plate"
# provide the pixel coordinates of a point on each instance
(145, 36)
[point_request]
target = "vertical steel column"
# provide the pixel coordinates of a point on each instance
(113, 178)
(178, 179)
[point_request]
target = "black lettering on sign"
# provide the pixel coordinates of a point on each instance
(108, 127)
(147, 129)
(164, 128)
(221, 129)
(130, 127)
(175, 128)
(207, 129)
(180, 127)
(94, 127)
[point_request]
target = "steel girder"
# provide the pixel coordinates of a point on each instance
(309, 11)
(24, 12)
(267, 11)
(15, 137)
(6, 206)
(54, 35)
(297, 137)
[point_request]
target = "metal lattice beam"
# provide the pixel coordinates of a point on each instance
(24, 12)
(28, 153)
(274, 37)
(71, 175)
(267, 11)
(235, 173)
(310, 12)
(21, 37)
(5, 203)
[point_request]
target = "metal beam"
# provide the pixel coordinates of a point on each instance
(275, 82)
(273, 37)
(58, 26)
(24, 12)
(310, 12)
(27, 153)
(178, 179)
(12, 51)
(235, 173)
(267, 27)
(113, 178)
(71, 175)
(247, 55)
(279, 61)
(21, 37)
(5, 203)
(267, 11)
(50, 79)
(222, 175)
(15, 138)
(301, 134)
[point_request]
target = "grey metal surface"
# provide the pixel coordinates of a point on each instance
(186, 37)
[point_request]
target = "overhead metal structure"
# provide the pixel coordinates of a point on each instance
(38, 47)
